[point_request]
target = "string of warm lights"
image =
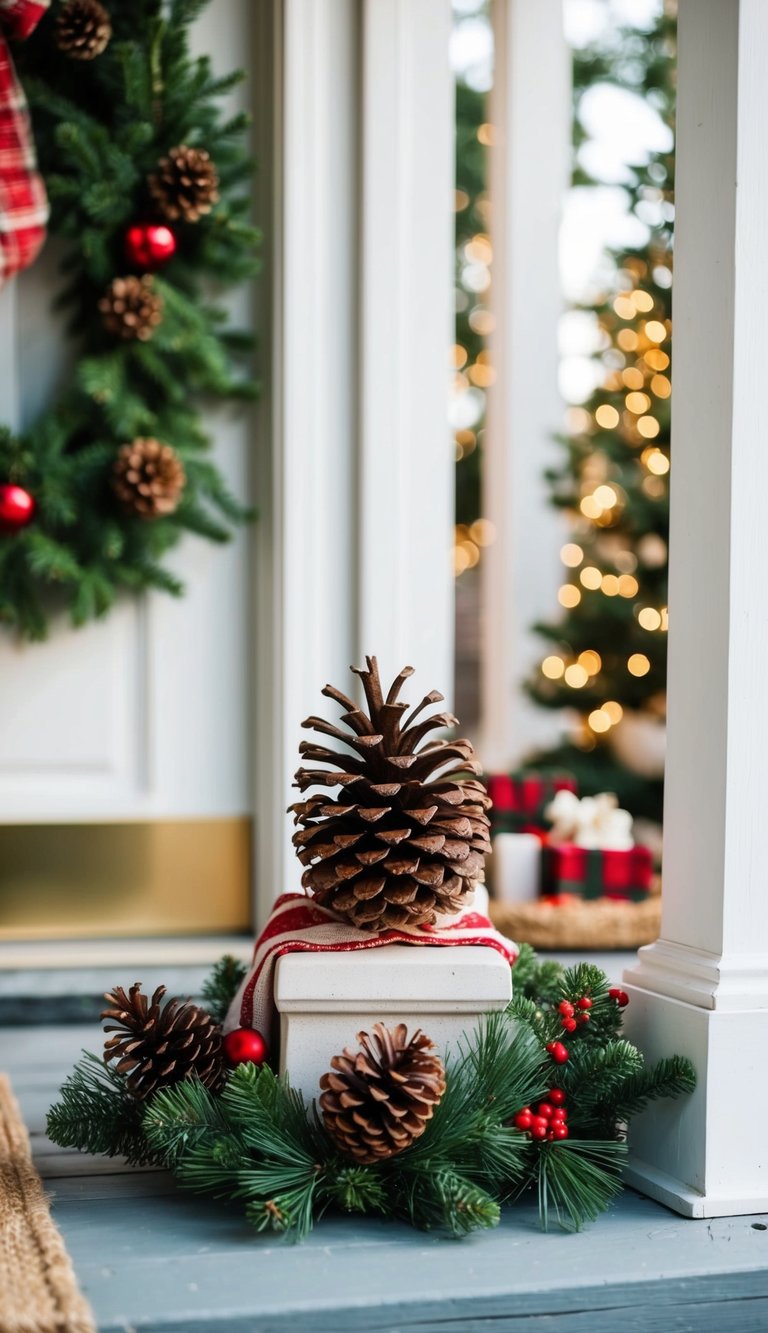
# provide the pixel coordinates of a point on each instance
(628, 411)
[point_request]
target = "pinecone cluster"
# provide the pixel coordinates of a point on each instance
(148, 477)
(406, 837)
(185, 184)
(377, 1101)
(131, 308)
(83, 29)
(155, 1046)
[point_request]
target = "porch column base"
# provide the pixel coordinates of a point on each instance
(646, 1179)
(703, 1155)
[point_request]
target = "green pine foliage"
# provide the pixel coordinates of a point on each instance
(97, 1114)
(619, 441)
(221, 986)
(257, 1142)
(101, 127)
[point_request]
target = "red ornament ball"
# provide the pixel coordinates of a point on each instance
(244, 1046)
(620, 996)
(523, 1119)
(565, 1008)
(570, 1024)
(584, 1002)
(556, 1096)
(17, 508)
(149, 245)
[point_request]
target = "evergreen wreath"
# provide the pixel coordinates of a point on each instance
(144, 173)
(520, 1111)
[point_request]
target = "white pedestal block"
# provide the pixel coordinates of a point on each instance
(325, 999)
(516, 867)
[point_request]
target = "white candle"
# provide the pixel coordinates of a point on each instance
(516, 867)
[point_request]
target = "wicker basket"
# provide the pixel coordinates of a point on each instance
(601, 924)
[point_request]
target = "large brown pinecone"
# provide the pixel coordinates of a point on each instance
(156, 1046)
(131, 308)
(83, 29)
(185, 184)
(148, 477)
(377, 1101)
(407, 837)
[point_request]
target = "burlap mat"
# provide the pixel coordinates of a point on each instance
(601, 924)
(38, 1290)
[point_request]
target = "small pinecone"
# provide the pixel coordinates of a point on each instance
(377, 1101)
(155, 1047)
(83, 29)
(131, 308)
(185, 184)
(148, 477)
(407, 836)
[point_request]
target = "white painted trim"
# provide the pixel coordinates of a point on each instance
(406, 321)
(712, 981)
(354, 539)
(9, 361)
(702, 989)
(529, 174)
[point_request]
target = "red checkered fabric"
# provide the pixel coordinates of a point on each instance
(591, 873)
(299, 924)
(23, 202)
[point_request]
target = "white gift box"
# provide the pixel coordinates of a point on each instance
(325, 999)
(516, 867)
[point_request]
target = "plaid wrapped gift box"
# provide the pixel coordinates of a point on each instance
(519, 799)
(587, 873)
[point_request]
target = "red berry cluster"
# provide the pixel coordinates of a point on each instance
(571, 1015)
(558, 1052)
(547, 1121)
(620, 996)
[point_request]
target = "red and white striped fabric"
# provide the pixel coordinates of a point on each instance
(23, 202)
(298, 924)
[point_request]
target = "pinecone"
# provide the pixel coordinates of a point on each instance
(156, 1046)
(148, 477)
(408, 835)
(83, 29)
(185, 184)
(131, 308)
(377, 1101)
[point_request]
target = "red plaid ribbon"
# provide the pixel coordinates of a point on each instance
(299, 925)
(23, 202)
(519, 799)
(590, 873)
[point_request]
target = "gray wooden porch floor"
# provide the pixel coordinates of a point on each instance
(150, 1257)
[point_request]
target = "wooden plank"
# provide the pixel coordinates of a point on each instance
(153, 1257)
(179, 1264)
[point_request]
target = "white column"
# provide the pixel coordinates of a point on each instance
(530, 166)
(702, 989)
(355, 462)
(405, 517)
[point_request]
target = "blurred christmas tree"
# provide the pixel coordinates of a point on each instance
(607, 657)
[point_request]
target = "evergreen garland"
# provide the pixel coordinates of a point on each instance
(103, 128)
(258, 1143)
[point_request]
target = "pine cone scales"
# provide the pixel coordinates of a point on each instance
(155, 1047)
(83, 29)
(131, 308)
(377, 1101)
(185, 184)
(407, 835)
(148, 477)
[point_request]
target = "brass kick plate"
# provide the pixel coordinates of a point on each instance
(59, 881)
